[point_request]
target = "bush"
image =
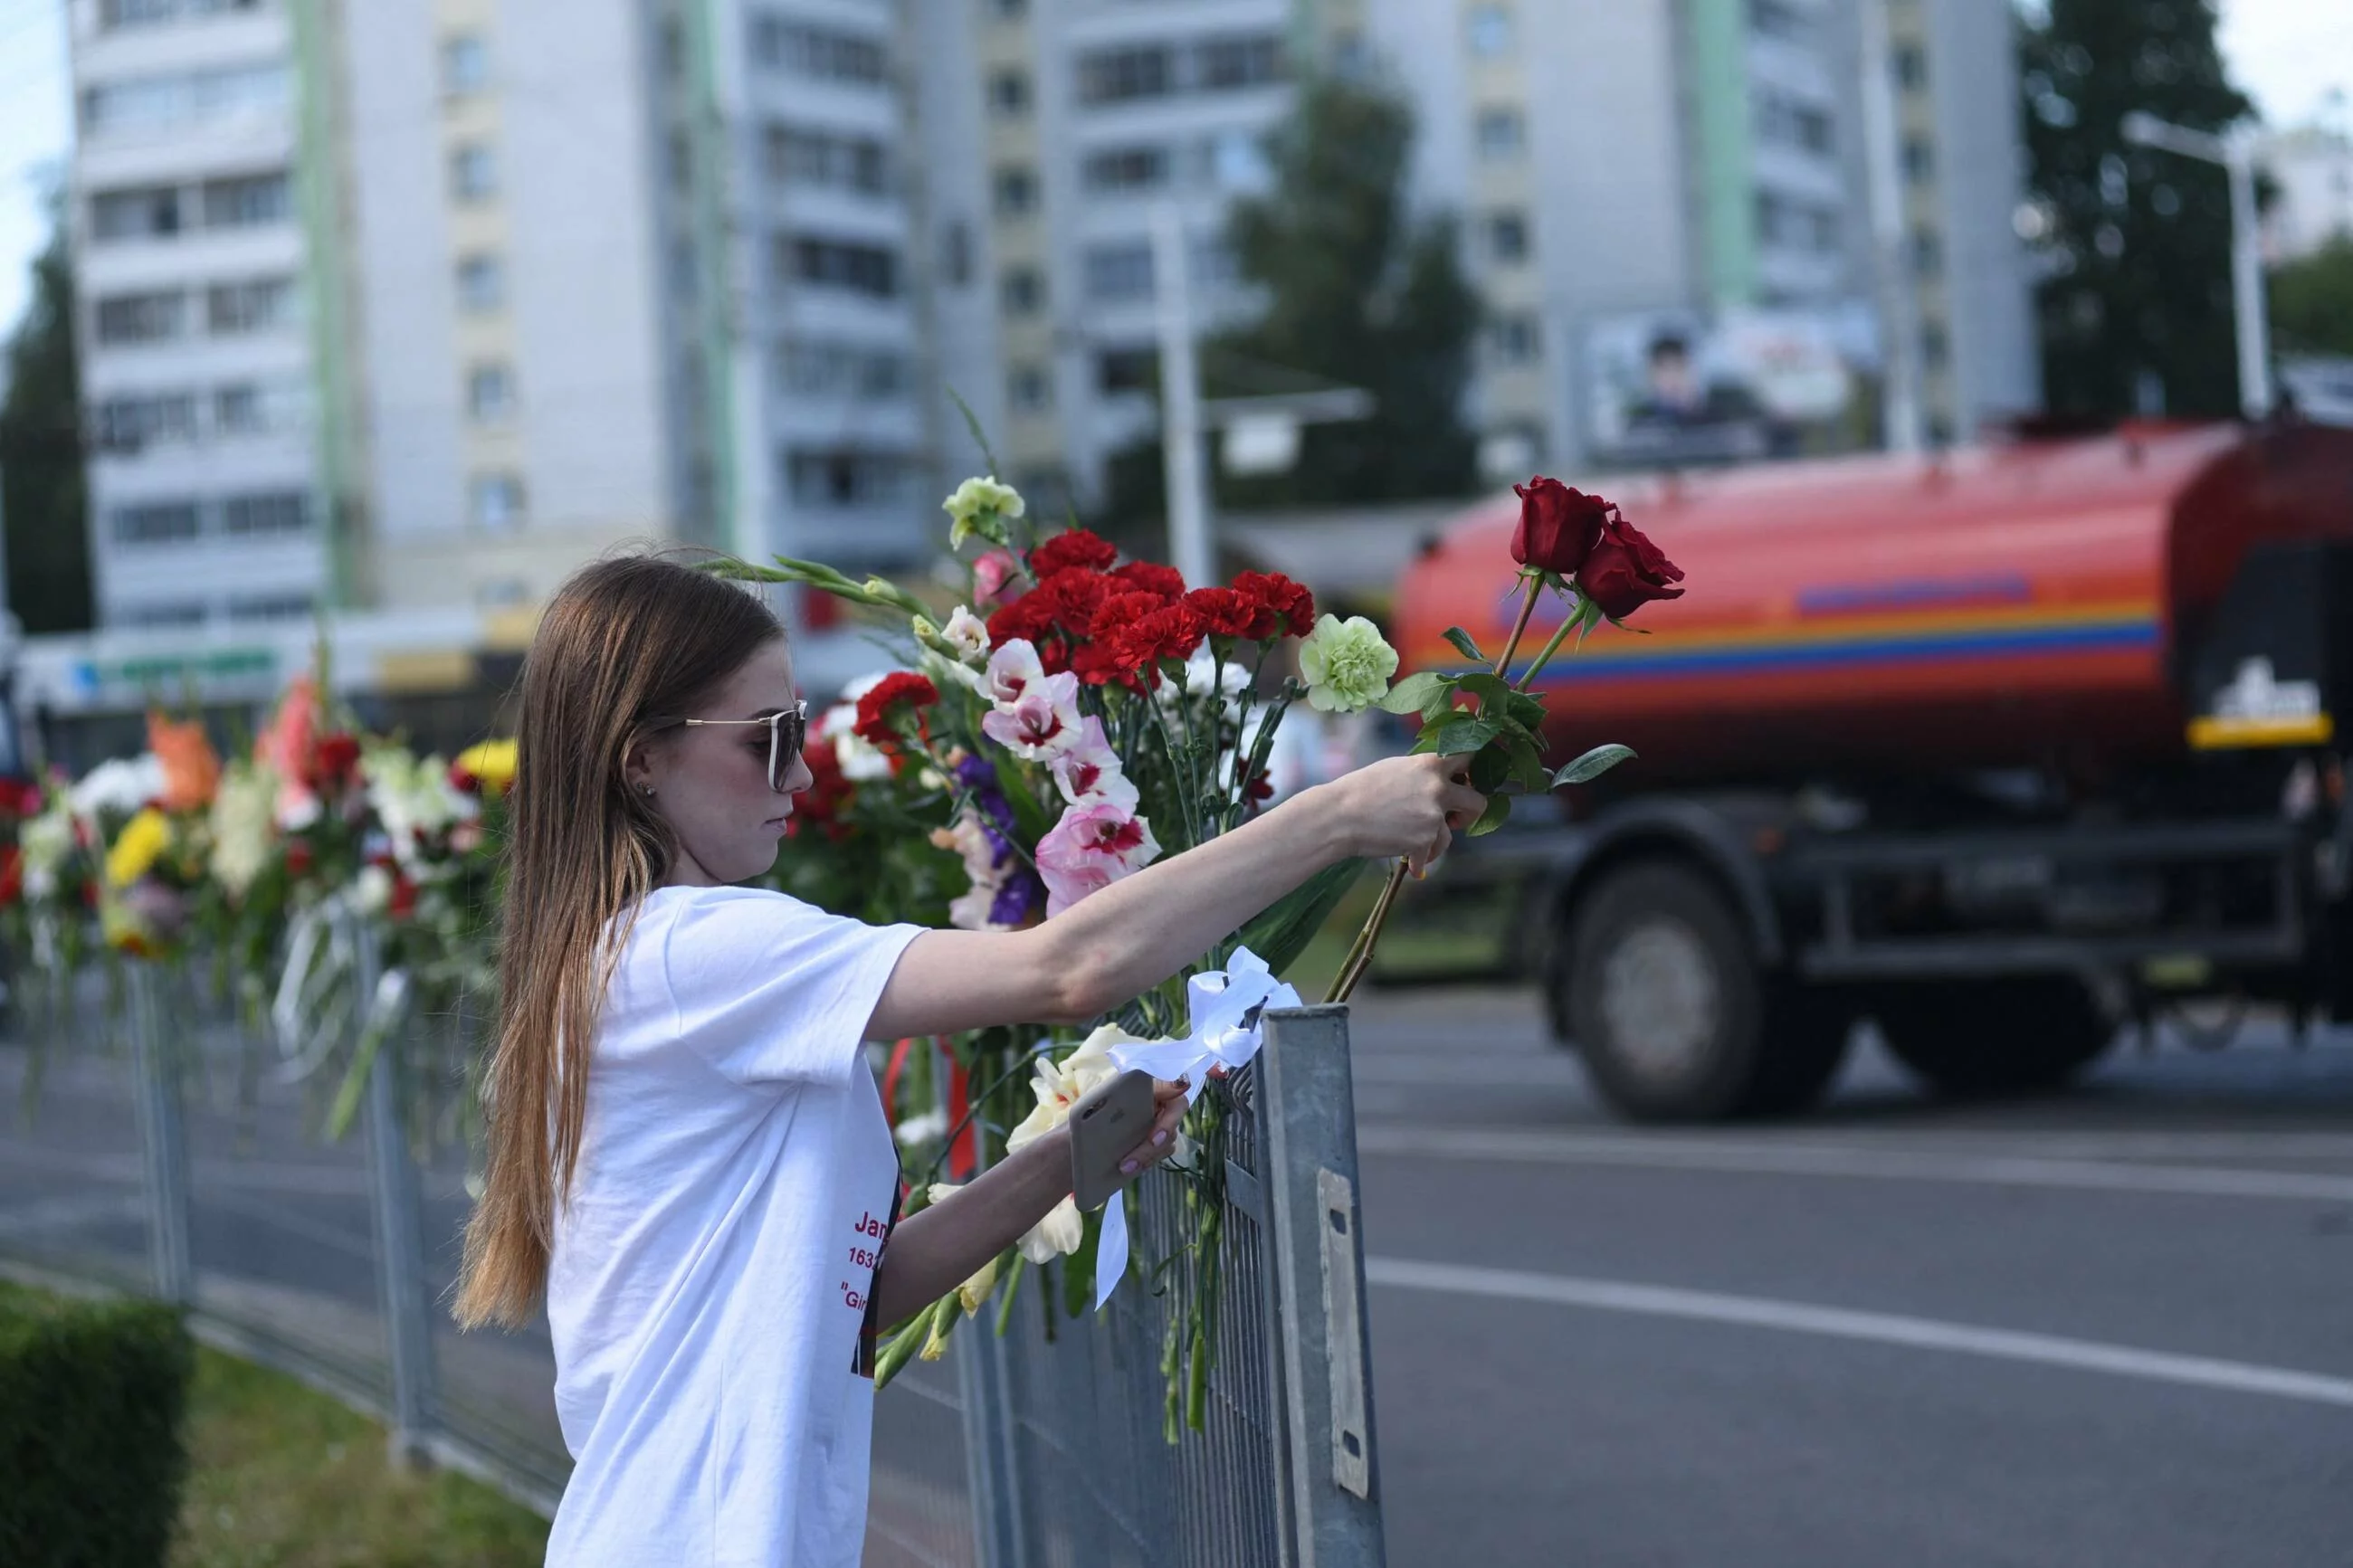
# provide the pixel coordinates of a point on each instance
(91, 1397)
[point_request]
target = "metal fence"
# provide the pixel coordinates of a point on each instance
(159, 1150)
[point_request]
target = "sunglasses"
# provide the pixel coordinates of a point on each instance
(788, 732)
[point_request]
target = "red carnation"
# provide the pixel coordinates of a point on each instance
(1558, 526)
(297, 856)
(463, 779)
(1152, 577)
(827, 795)
(1118, 612)
(1224, 611)
(1069, 597)
(875, 709)
(1626, 570)
(1101, 663)
(337, 759)
(20, 797)
(1285, 608)
(1173, 631)
(1075, 548)
(403, 898)
(11, 874)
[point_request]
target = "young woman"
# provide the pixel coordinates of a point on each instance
(687, 1153)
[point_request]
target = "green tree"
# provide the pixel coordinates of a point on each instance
(2141, 240)
(2312, 301)
(1359, 293)
(42, 499)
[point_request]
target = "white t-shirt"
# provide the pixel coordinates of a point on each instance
(710, 1276)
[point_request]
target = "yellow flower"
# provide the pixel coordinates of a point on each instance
(492, 761)
(977, 1290)
(136, 849)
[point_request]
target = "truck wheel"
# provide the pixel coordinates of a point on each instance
(2012, 1036)
(1665, 1003)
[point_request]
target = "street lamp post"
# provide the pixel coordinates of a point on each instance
(2236, 155)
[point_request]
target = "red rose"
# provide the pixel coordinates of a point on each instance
(1285, 608)
(1151, 577)
(874, 708)
(337, 758)
(1224, 611)
(1075, 548)
(1626, 570)
(1557, 526)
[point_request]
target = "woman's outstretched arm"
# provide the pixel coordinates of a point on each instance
(1125, 939)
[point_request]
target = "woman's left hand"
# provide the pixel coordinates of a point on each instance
(1169, 1106)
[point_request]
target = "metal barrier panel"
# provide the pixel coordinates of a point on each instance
(73, 1173)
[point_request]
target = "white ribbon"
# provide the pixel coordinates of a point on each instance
(306, 1029)
(1226, 1008)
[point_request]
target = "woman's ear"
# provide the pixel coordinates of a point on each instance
(637, 768)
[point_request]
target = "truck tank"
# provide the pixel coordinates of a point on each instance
(2026, 602)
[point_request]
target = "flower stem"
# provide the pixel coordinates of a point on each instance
(1559, 636)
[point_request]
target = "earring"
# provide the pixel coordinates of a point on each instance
(645, 789)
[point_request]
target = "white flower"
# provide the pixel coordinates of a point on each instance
(980, 506)
(372, 891)
(46, 841)
(1060, 1085)
(413, 799)
(1057, 1236)
(1041, 723)
(862, 762)
(1348, 663)
(243, 825)
(119, 787)
(1204, 668)
(1089, 773)
(969, 633)
(914, 1129)
(1012, 670)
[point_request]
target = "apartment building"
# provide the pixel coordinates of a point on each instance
(194, 259)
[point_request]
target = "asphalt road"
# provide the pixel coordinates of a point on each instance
(2114, 1327)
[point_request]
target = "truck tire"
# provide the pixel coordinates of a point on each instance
(1667, 1005)
(1996, 1037)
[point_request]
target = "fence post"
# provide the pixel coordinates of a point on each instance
(1319, 1261)
(163, 1141)
(982, 1387)
(399, 1228)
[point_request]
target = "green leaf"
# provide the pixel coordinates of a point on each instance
(1464, 646)
(1464, 733)
(1494, 692)
(1527, 763)
(1414, 692)
(1027, 812)
(1280, 932)
(1592, 765)
(1499, 808)
(1489, 769)
(1525, 709)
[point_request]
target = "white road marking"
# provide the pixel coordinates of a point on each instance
(1829, 1159)
(1877, 1327)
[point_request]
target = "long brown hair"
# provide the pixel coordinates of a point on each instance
(623, 640)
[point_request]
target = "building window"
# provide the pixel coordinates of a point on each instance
(797, 155)
(1507, 238)
(130, 422)
(1123, 169)
(114, 13)
(1119, 272)
(481, 285)
(141, 318)
(160, 105)
(848, 476)
(265, 515)
(1009, 93)
(465, 65)
(255, 408)
(1236, 162)
(855, 269)
(1502, 134)
(497, 500)
(1927, 253)
(1224, 65)
(1023, 291)
(1794, 224)
(272, 607)
(1515, 340)
(1030, 388)
(256, 305)
(1911, 66)
(473, 173)
(148, 212)
(1489, 30)
(1015, 191)
(1126, 73)
(1935, 346)
(1778, 19)
(955, 253)
(1007, 10)
(490, 395)
(1126, 370)
(159, 615)
(156, 522)
(1791, 122)
(822, 54)
(251, 201)
(1919, 160)
(829, 367)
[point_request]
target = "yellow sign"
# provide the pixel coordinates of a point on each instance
(2216, 733)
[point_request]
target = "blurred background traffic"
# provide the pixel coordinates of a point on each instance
(1988, 369)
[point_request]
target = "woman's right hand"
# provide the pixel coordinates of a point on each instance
(1406, 807)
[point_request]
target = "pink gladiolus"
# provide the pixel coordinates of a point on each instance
(991, 574)
(1042, 724)
(1092, 847)
(1089, 773)
(1011, 669)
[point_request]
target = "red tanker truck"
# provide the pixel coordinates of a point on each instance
(2001, 749)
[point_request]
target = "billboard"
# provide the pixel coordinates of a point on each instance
(1676, 388)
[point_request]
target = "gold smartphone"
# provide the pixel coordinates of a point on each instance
(1105, 1128)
